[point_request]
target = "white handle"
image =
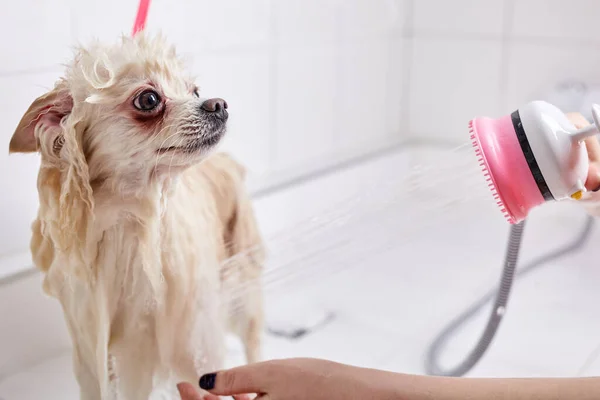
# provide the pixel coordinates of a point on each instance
(590, 130)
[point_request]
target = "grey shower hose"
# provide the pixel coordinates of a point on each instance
(501, 294)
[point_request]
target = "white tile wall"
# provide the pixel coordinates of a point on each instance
(303, 21)
(396, 87)
(473, 58)
(532, 68)
(469, 17)
(304, 111)
(371, 18)
(170, 18)
(242, 78)
(363, 118)
(105, 20)
(36, 35)
(223, 24)
(451, 82)
(557, 19)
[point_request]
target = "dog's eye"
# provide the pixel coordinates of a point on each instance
(147, 101)
(196, 92)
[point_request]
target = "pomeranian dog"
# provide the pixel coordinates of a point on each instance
(144, 235)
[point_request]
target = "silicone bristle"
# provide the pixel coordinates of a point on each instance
(487, 174)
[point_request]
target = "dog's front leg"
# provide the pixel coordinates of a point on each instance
(135, 378)
(133, 364)
(89, 388)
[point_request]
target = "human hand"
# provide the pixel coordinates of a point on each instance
(593, 149)
(311, 379)
(295, 379)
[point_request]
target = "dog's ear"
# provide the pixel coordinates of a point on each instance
(46, 112)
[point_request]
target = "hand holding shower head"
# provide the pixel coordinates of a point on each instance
(532, 156)
(529, 157)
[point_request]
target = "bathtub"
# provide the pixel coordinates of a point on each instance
(380, 307)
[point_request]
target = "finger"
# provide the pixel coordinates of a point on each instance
(242, 397)
(211, 397)
(593, 148)
(247, 379)
(188, 392)
(593, 179)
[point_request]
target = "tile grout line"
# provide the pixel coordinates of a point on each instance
(338, 63)
(407, 37)
(273, 56)
(507, 24)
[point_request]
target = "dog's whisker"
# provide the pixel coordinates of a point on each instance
(163, 142)
(179, 144)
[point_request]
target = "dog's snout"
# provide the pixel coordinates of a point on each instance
(216, 106)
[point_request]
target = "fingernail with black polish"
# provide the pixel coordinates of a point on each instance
(207, 382)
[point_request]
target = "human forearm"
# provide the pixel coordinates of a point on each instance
(413, 387)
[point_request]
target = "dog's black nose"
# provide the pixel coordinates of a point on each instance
(216, 106)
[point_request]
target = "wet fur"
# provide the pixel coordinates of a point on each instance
(145, 251)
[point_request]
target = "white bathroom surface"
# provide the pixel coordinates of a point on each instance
(395, 271)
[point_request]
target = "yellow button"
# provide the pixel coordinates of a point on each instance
(577, 195)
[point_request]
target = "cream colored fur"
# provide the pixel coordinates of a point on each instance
(145, 251)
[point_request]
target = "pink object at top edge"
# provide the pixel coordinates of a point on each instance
(141, 16)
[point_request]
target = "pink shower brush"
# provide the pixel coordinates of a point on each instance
(532, 156)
